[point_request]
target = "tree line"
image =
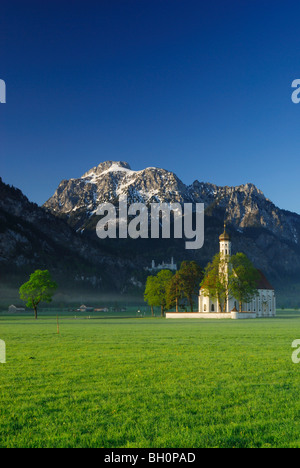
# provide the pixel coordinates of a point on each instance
(223, 277)
(167, 290)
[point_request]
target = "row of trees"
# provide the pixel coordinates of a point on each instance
(166, 290)
(223, 277)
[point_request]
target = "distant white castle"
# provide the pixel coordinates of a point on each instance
(163, 266)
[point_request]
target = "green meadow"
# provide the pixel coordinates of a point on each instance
(149, 382)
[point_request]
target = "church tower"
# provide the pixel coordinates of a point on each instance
(225, 243)
(225, 254)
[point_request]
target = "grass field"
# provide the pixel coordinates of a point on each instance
(149, 382)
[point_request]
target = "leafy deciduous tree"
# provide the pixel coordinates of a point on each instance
(243, 279)
(150, 295)
(215, 282)
(39, 288)
(163, 279)
(174, 292)
(156, 289)
(190, 275)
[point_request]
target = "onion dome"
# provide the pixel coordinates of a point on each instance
(225, 236)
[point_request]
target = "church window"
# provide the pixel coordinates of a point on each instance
(212, 307)
(204, 308)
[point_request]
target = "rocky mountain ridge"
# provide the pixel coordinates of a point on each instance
(242, 207)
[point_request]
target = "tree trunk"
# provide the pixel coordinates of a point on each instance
(162, 311)
(241, 306)
(152, 311)
(176, 304)
(35, 313)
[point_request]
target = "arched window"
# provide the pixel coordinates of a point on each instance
(204, 308)
(212, 307)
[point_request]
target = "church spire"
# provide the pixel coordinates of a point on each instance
(225, 243)
(225, 236)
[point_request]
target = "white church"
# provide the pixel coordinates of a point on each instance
(262, 305)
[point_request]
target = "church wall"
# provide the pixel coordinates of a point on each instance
(264, 304)
(208, 305)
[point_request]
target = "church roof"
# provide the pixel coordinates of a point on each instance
(225, 235)
(263, 283)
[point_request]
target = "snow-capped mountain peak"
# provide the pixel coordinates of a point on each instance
(108, 166)
(243, 206)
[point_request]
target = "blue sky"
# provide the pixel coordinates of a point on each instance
(202, 88)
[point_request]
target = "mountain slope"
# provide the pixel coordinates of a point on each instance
(31, 238)
(268, 235)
